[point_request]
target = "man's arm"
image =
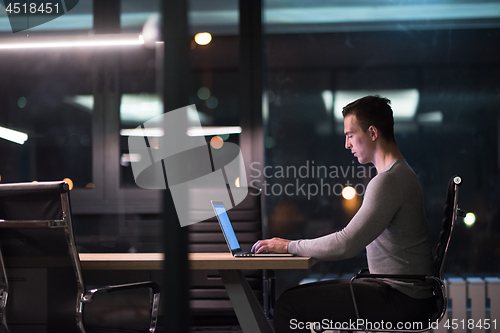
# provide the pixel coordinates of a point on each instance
(382, 200)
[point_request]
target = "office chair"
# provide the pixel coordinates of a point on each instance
(41, 284)
(209, 301)
(451, 212)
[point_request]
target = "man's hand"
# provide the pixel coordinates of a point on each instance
(274, 245)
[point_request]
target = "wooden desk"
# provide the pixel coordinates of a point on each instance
(248, 310)
(220, 261)
(121, 261)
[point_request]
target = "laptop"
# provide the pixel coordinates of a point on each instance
(230, 235)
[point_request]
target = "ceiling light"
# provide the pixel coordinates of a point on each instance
(213, 130)
(104, 40)
(203, 38)
(147, 132)
(12, 135)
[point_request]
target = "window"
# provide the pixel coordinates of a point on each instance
(445, 65)
(49, 107)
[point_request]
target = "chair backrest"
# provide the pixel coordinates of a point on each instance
(451, 211)
(206, 236)
(209, 301)
(40, 264)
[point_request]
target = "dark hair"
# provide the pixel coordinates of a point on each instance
(373, 111)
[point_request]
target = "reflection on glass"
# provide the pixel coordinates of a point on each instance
(428, 58)
(136, 109)
(46, 134)
(404, 102)
(13, 136)
(203, 38)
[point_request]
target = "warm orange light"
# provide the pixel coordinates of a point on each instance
(237, 182)
(90, 185)
(348, 192)
(70, 183)
(216, 142)
(203, 38)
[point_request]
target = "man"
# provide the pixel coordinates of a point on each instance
(390, 224)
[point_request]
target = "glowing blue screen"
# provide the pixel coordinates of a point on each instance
(227, 227)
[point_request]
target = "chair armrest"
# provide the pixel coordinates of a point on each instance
(155, 303)
(147, 284)
(364, 271)
(391, 276)
(87, 298)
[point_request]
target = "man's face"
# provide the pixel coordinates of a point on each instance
(359, 142)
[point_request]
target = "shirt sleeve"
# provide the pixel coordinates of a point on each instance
(383, 198)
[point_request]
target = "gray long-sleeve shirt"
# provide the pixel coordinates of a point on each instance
(390, 223)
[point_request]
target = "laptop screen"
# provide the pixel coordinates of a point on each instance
(226, 226)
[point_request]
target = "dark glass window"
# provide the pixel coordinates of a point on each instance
(441, 72)
(52, 110)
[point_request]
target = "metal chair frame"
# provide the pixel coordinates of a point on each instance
(82, 297)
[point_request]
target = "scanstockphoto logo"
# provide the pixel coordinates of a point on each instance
(24, 15)
(170, 152)
(309, 179)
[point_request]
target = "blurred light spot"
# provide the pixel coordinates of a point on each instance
(224, 136)
(70, 183)
(469, 219)
(212, 102)
(203, 93)
(21, 102)
(216, 142)
(154, 143)
(90, 185)
(127, 158)
(430, 117)
(139, 108)
(270, 142)
(203, 38)
(348, 192)
(327, 96)
(237, 182)
(85, 101)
